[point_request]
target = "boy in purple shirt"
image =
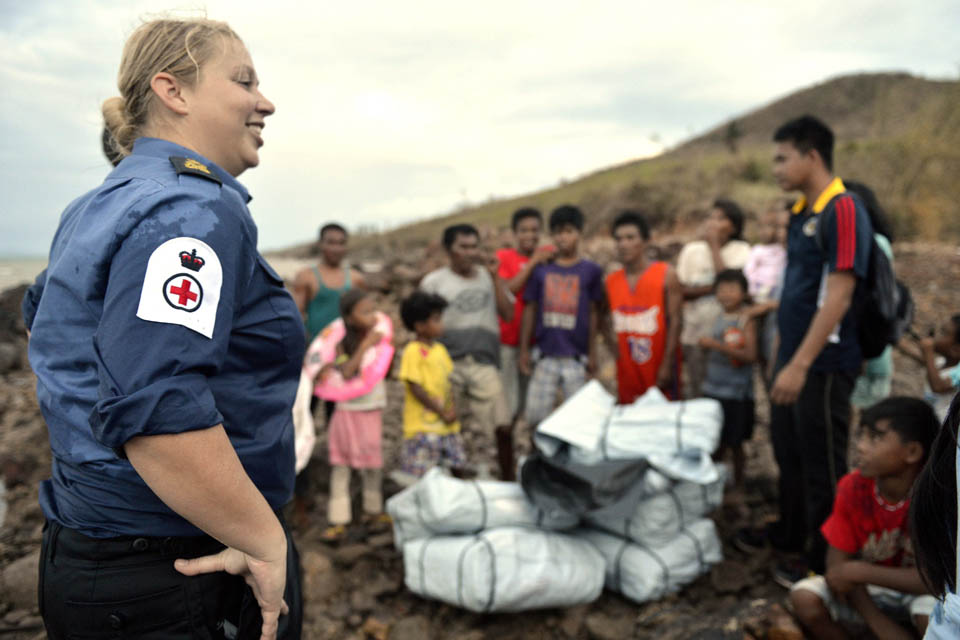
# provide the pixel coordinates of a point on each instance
(562, 298)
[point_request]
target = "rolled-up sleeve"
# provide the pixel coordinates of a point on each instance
(153, 374)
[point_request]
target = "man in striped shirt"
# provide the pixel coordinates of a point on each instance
(819, 356)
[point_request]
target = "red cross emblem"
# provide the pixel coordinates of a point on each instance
(183, 292)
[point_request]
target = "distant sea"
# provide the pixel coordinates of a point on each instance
(14, 271)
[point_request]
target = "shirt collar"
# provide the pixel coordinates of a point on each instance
(834, 188)
(158, 148)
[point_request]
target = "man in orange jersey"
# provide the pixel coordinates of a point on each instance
(643, 328)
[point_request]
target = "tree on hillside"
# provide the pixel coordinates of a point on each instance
(732, 136)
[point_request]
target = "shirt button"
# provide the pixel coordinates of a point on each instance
(115, 620)
(140, 544)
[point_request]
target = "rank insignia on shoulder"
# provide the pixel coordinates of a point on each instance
(193, 167)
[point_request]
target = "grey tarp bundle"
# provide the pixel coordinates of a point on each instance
(592, 455)
(643, 573)
(661, 516)
(441, 504)
(505, 569)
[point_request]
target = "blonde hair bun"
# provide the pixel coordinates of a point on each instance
(117, 122)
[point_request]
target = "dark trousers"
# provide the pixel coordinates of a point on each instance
(810, 439)
(127, 588)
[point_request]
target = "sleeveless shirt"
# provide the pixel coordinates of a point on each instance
(640, 323)
(325, 306)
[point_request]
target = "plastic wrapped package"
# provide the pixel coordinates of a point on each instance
(677, 438)
(505, 569)
(643, 573)
(441, 504)
(660, 517)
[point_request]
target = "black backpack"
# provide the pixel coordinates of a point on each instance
(884, 308)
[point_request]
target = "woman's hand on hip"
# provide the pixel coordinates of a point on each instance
(267, 578)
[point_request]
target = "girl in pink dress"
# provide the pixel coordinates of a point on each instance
(354, 432)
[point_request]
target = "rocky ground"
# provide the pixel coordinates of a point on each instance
(354, 590)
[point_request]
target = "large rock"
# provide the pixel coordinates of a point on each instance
(18, 582)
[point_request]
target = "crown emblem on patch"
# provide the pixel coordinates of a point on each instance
(191, 260)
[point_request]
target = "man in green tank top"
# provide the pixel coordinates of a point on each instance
(317, 289)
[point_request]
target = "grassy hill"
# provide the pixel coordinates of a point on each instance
(897, 133)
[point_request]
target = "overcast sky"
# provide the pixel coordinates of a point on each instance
(393, 111)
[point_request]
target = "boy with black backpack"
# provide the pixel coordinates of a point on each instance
(829, 241)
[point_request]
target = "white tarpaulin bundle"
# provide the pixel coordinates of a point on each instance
(661, 516)
(676, 438)
(440, 504)
(643, 573)
(505, 569)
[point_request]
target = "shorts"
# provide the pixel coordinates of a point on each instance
(479, 385)
(551, 374)
(425, 451)
(738, 419)
(897, 604)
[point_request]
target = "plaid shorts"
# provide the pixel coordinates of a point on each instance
(424, 451)
(549, 376)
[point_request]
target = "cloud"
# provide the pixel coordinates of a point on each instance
(387, 112)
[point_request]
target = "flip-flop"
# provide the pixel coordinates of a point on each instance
(378, 521)
(334, 533)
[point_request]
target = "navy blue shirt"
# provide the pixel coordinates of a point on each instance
(157, 316)
(847, 240)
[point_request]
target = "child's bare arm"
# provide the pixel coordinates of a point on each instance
(938, 384)
(351, 367)
(882, 626)
(526, 333)
(747, 353)
(439, 406)
(902, 579)
(593, 327)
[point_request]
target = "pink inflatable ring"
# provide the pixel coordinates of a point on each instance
(373, 367)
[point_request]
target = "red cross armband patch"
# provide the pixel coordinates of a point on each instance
(182, 285)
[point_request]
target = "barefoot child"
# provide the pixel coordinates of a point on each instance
(731, 351)
(431, 432)
(355, 427)
(871, 576)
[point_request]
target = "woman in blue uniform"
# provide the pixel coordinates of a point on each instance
(167, 354)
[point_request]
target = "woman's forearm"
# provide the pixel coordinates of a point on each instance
(199, 476)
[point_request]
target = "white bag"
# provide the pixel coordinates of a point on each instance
(644, 573)
(506, 569)
(659, 518)
(677, 438)
(441, 504)
(304, 431)
(580, 420)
